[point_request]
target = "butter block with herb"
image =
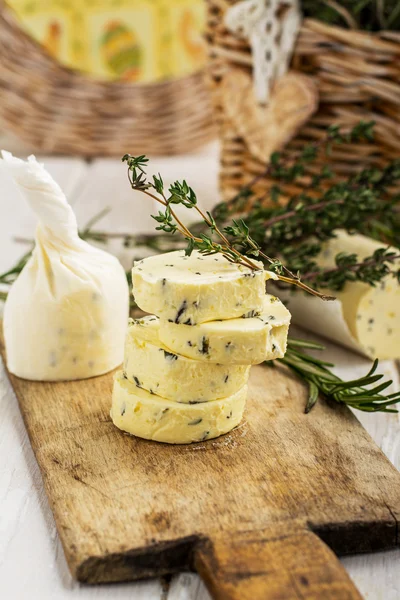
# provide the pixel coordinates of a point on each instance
(197, 288)
(65, 316)
(245, 341)
(149, 364)
(364, 317)
(151, 417)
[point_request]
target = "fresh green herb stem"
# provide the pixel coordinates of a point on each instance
(322, 381)
(367, 203)
(181, 193)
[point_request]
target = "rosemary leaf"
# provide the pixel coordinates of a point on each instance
(323, 382)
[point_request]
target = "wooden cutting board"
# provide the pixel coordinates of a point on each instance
(248, 511)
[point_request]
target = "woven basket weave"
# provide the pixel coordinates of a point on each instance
(58, 110)
(357, 75)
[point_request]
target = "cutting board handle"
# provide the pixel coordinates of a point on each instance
(272, 565)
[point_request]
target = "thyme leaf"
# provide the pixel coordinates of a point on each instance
(367, 202)
(240, 249)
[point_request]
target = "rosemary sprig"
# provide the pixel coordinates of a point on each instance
(180, 193)
(322, 381)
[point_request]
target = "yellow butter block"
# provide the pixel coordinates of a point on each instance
(150, 364)
(245, 341)
(147, 416)
(197, 288)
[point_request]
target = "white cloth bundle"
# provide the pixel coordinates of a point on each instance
(66, 315)
(364, 318)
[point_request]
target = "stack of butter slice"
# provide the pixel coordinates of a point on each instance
(186, 366)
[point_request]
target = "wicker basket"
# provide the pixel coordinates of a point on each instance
(58, 110)
(358, 77)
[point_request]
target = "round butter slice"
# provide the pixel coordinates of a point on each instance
(246, 341)
(363, 317)
(197, 288)
(145, 415)
(151, 365)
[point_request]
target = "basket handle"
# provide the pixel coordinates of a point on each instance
(272, 565)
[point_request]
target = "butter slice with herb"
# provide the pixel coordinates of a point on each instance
(363, 317)
(147, 416)
(151, 365)
(244, 341)
(197, 288)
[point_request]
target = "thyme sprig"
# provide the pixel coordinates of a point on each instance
(371, 270)
(366, 202)
(169, 222)
(322, 382)
(180, 193)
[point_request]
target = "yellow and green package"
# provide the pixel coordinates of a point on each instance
(130, 40)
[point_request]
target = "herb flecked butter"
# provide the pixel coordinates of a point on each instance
(197, 288)
(66, 315)
(151, 417)
(151, 365)
(249, 340)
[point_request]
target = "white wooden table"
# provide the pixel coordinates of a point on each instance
(32, 563)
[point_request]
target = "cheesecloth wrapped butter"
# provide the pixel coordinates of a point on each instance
(66, 315)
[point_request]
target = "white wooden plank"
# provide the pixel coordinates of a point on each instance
(376, 576)
(107, 186)
(187, 586)
(199, 169)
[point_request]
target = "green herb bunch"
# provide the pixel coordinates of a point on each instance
(363, 203)
(370, 15)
